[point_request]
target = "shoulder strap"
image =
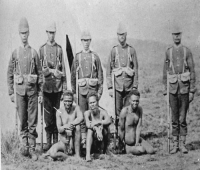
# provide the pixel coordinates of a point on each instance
(45, 56)
(184, 58)
(32, 60)
(79, 63)
(171, 59)
(129, 57)
(93, 64)
(57, 57)
(117, 56)
(17, 60)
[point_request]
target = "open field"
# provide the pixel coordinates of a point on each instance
(150, 58)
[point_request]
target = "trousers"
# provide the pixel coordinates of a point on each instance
(27, 108)
(51, 100)
(121, 100)
(179, 104)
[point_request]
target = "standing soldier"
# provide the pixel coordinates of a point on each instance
(55, 83)
(179, 63)
(25, 73)
(90, 76)
(122, 62)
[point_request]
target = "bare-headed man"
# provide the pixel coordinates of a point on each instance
(68, 119)
(97, 121)
(130, 127)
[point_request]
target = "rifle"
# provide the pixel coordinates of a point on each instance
(77, 101)
(16, 117)
(115, 121)
(168, 116)
(42, 111)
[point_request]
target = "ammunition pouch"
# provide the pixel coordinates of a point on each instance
(19, 79)
(129, 71)
(32, 78)
(173, 78)
(117, 71)
(46, 72)
(92, 82)
(185, 77)
(58, 74)
(82, 82)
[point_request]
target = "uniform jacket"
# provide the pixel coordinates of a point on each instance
(178, 64)
(23, 63)
(86, 72)
(53, 53)
(123, 82)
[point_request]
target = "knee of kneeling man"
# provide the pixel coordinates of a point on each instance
(52, 153)
(150, 151)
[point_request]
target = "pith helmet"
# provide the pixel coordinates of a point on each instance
(85, 35)
(121, 29)
(176, 29)
(23, 25)
(51, 27)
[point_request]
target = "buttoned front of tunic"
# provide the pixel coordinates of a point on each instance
(86, 65)
(124, 81)
(51, 56)
(179, 68)
(20, 64)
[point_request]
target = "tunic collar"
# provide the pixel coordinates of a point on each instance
(25, 46)
(51, 44)
(88, 51)
(177, 46)
(124, 46)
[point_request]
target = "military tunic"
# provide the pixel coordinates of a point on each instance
(88, 70)
(51, 56)
(179, 90)
(27, 94)
(123, 83)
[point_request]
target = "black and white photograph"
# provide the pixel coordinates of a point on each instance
(100, 84)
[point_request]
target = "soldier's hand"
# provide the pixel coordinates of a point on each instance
(40, 99)
(12, 98)
(110, 92)
(191, 96)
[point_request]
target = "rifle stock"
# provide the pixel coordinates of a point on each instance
(168, 115)
(77, 92)
(16, 116)
(115, 130)
(42, 111)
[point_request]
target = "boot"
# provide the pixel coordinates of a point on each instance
(48, 145)
(24, 148)
(183, 149)
(55, 138)
(176, 145)
(32, 152)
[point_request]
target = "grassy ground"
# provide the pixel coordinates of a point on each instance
(154, 124)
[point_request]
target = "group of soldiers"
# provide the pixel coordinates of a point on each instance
(41, 77)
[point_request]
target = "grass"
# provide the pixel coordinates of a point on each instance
(9, 147)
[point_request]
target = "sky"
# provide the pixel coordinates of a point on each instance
(144, 19)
